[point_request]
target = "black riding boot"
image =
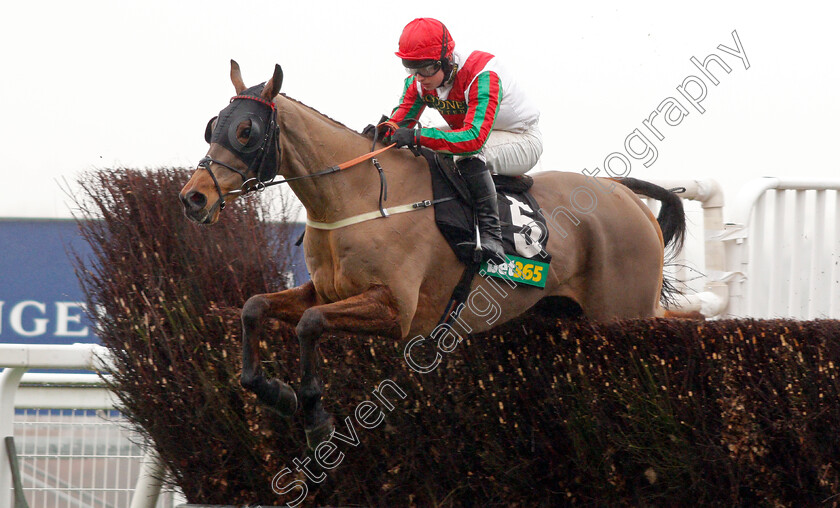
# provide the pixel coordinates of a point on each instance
(483, 194)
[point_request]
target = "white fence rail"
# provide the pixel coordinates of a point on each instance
(74, 449)
(785, 235)
(777, 255)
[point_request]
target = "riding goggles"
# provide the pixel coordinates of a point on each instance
(427, 70)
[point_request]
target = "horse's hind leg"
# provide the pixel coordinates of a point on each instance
(288, 306)
(373, 312)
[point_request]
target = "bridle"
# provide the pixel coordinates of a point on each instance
(263, 159)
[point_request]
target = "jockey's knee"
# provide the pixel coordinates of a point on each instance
(513, 153)
(470, 163)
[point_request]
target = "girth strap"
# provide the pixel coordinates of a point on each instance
(460, 293)
(376, 214)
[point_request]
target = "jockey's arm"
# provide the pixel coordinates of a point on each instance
(483, 99)
(407, 114)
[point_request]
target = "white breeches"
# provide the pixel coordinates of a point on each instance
(513, 153)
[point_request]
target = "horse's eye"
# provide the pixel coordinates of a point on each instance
(246, 133)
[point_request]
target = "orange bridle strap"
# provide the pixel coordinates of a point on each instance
(362, 158)
(260, 186)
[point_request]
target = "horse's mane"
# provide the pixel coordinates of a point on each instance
(322, 115)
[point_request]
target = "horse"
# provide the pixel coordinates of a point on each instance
(392, 274)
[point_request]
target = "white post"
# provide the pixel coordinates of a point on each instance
(834, 282)
(711, 198)
(714, 298)
(818, 296)
(147, 490)
(9, 381)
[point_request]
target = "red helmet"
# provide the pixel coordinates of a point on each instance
(425, 39)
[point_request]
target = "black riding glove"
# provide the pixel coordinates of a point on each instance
(381, 130)
(405, 137)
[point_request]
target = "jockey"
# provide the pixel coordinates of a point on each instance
(492, 124)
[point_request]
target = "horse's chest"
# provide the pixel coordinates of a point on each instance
(338, 277)
(330, 285)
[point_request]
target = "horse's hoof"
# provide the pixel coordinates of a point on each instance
(320, 433)
(287, 403)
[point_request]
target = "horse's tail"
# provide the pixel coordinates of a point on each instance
(672, 223)
(671, 214)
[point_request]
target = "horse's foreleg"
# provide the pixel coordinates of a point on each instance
(373, 312)
(287, 306)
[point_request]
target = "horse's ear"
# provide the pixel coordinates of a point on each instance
(272, 87)
(236, 77)
(208, 131)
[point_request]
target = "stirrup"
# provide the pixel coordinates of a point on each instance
(480, 252)
(496, 257)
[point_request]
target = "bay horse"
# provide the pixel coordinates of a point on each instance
(393, 276)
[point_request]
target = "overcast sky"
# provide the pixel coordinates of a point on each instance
(93, 84)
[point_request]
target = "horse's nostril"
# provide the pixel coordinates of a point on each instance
(195, 200)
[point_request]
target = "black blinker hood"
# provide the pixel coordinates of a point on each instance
(259, 153)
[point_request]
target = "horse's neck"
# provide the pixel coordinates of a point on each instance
(312, 142)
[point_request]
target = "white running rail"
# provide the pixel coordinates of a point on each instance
(778, 255)
(785, 235)
(21, 389)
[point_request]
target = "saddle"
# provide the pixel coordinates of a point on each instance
(524, 231)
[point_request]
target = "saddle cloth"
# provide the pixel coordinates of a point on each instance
(524, 231)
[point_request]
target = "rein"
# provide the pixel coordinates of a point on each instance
(247, 187)
(258, 184)
(329, 170)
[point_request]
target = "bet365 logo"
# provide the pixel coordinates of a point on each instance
(519, 270)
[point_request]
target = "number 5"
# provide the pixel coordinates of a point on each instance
(530, 246)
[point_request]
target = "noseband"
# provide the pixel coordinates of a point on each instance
(261, 150)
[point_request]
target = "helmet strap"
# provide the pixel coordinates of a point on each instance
(443, 45)
(445, 63)
(449, 69)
